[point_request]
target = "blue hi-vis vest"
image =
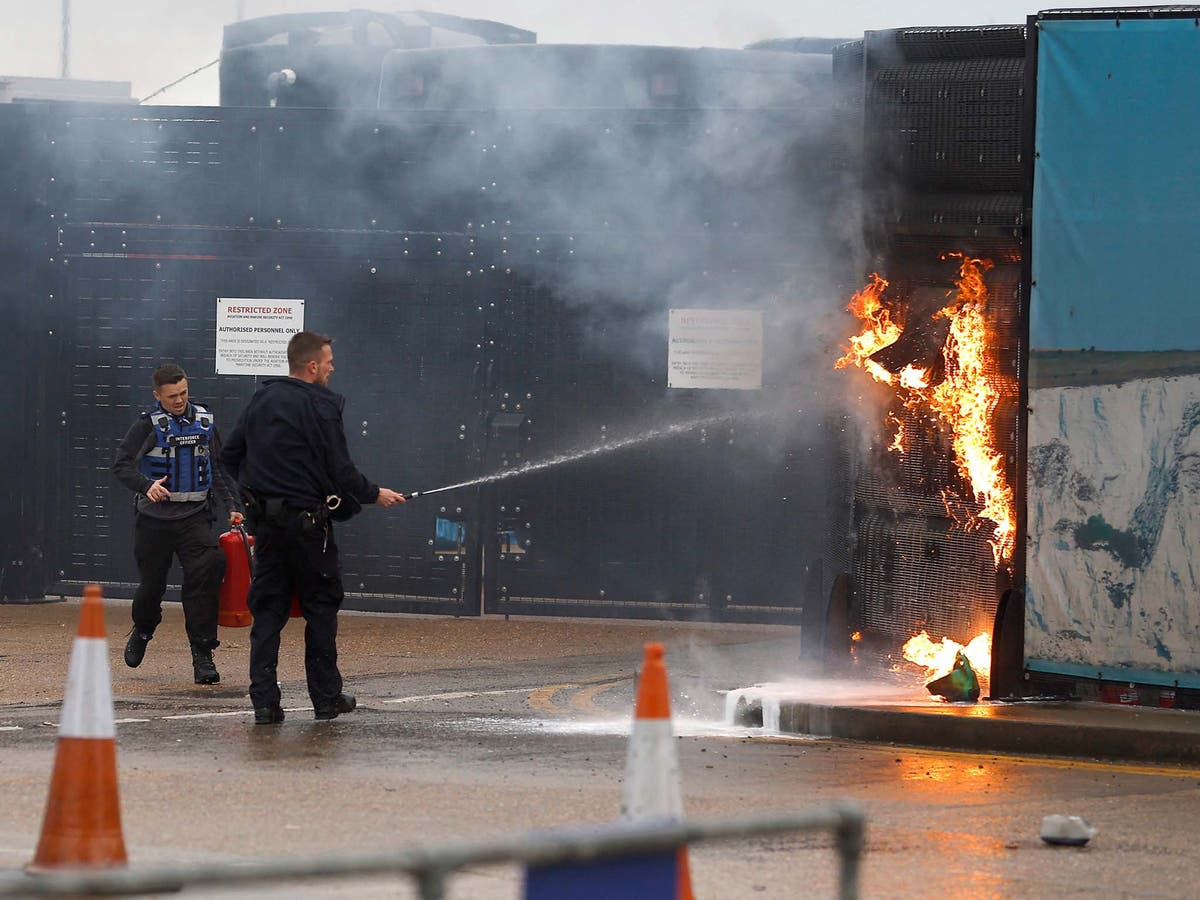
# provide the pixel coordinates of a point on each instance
(181, 452)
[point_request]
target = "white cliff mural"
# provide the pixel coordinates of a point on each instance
(1113, 564)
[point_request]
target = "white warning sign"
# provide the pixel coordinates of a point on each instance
(715, 348)
(252, 335)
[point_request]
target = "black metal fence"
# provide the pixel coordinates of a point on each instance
(496, 300)
(940, 113)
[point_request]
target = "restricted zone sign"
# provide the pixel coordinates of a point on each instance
(253, 334)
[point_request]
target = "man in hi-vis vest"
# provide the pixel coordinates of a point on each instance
(170, 458)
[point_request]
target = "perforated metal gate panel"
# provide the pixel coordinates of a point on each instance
(454, 318)
(942, 138)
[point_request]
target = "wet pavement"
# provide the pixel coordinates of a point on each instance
(470, 729)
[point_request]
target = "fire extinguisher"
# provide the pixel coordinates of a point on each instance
(238, 547)
(232, 610)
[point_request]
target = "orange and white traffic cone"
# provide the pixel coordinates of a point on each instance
(82, 828)
(651, 791)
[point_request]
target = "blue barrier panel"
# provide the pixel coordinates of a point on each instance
(1112, 566)
(647, 877)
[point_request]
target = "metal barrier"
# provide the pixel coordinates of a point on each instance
(430, 868)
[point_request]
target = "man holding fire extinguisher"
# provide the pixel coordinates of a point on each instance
(288, 452)
(169, 459)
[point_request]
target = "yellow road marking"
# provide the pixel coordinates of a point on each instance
(585, 700)
(542, 699)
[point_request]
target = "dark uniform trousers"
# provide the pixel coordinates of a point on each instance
(155, 541)
(292, 552)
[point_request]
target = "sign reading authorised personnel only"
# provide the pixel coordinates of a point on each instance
(715, 348)
(252, 335)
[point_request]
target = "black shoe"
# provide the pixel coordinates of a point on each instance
(343, 703)
(268, 715)
(135, 647)
(204, 668)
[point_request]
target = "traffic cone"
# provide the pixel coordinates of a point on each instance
(82, 827)
(651, 791)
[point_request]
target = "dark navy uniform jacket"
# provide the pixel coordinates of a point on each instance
(290, 444)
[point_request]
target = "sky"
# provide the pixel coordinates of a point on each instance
(151, 43)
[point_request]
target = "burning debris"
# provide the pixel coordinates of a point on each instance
(959, 685)
(958, 390)
(952, 671)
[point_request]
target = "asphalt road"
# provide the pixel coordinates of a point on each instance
(479, 729)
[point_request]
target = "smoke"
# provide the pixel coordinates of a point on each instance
(509, 239)
(623, 182)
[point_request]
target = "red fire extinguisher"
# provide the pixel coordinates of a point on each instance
(232, 610)
(238, 547)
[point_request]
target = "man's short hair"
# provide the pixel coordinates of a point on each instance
(167, 374)
(305, 347)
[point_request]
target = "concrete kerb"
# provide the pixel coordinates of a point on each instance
(1073, 730)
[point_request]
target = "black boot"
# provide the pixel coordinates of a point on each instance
(342, 703)
(135, 647)
(268, 715)
(204, 667)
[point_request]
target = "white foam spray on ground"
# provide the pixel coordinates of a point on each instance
(826, 692)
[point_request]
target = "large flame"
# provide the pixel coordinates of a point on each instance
(965, 401)
(938, 659)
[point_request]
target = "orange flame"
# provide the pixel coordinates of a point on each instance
(965, 401)
(938, 659)
(879, 330)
